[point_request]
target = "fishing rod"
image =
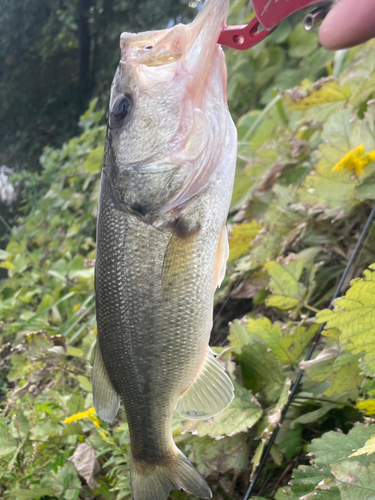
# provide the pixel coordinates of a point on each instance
(308, 356)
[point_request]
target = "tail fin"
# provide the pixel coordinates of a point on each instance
(154, 482)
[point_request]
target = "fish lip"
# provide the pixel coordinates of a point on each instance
(207, 26)
(211, 17)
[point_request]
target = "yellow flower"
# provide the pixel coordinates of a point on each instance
(356, 159)
(368, 405)
(85, 414)
(94, 420)
(104, 436)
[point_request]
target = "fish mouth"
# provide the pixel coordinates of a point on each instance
(195, 42)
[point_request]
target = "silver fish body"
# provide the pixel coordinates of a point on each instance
(161, 244)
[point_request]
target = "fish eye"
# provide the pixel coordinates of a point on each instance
(120, 111)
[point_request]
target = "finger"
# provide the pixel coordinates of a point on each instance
(350, 22)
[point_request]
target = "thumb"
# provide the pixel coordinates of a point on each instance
(350, 22)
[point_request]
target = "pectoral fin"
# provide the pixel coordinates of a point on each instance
(106, 400)
(211, 392)
(178, 257)
(221, 257)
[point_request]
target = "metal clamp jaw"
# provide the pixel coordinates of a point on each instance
(269, 14)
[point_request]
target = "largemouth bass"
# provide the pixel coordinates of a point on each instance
(162, 244)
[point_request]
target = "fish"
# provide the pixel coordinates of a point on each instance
(162, 244)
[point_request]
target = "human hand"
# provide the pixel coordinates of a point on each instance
(349, 22)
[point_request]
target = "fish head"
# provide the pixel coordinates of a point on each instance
(145, 103)
(168, 116)
(161, 80)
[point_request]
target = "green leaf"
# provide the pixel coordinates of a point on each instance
(355, 480)
(326, 189)
(67, 480)
(310, 484)
(289, 440)
(362, 77)
(273, 418)
(239, 335)
(7, 449)
(23, 424)
(257, 457)
(341, 370)
(367, 449)
(94, 160)
(78, 270)
(261, 371)
(331, 448)
(312, 416)
(75, 352)
(7, 265)
(245, 124)
(286, 345)
(34, 494)
(354, 316)
(241, 237)
(4, 255)
(321, 367)
(84, 383)
(287, 291)
(311, 95)
(261, 348)
(302, 43)
(219, 455)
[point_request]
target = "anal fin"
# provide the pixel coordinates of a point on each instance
(210, 393)
(106, 399)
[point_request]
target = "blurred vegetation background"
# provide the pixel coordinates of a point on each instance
(55, 55)
(305, 184)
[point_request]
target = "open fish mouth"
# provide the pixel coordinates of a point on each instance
(195, 42)
(167, 84)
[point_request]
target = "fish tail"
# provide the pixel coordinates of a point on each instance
(154, 482)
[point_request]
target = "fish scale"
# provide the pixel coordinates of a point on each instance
(142, 332)
(161, 245)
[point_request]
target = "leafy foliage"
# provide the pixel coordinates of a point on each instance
(304, 184)
(354, 317)
(332, 473)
